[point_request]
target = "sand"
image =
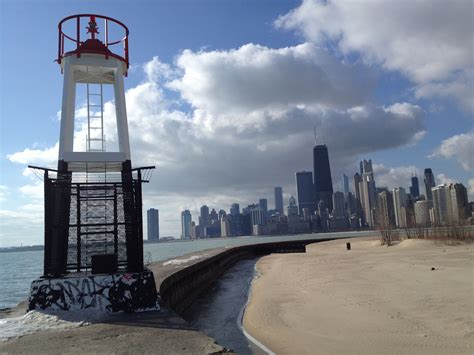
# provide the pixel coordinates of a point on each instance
(370, 300)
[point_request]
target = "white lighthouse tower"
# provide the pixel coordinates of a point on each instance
(93, 247)
(91, 62)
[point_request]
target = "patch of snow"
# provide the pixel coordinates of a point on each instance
(184, 261)
(41, 321)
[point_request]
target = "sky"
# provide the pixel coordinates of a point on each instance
(222, 97)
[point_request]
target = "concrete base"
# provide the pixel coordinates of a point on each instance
(129, 292)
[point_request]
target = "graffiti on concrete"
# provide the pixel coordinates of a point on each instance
(127, 292)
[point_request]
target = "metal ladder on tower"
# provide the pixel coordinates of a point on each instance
(96, 200)
(95, 140)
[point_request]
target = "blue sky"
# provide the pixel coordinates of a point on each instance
(223, 96)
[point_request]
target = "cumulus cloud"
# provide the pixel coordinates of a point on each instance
(431, 42)
(46, 157)
(396, 176)
(443, 179)
(459, 147)
(223, 150)
(255, 77)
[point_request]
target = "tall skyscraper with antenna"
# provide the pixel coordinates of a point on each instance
(322, 180)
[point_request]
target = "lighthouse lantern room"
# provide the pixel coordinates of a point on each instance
(93, 201)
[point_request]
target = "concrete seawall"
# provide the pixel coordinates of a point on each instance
(179, 289)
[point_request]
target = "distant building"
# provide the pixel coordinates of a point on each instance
(323, 217)
(339, 205)
(322, 180)
(235, 209)
(386, 213)
(459, 203)
(366, 166)
(225, 227)
(339, 221)
(429, 183)
(213, 217)
(442, 206)
(221, 213)
(415, 187)
(279, 199)
(399, 198)
(358, 198)
(263, 203)
(195, 231)
(305, 191)
(368, 195)
(186, 224)
(256, 216)
(422, 213)
(153, 224)
(204, 217)
(345, 184)
(292, 211)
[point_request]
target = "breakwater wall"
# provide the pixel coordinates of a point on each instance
(180, 289)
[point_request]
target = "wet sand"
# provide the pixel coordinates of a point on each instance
(370, 300)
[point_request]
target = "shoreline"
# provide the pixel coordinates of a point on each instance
(179, 283)
(414, 297)
(240, 320)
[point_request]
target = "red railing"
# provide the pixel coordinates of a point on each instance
(80, 46)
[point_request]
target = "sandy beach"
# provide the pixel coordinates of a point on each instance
(370, 300)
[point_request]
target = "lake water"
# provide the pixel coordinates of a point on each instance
(19, 269)
(218, 311)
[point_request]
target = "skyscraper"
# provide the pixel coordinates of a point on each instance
(263, 203)
(204, 218)
(441, 204)
(153, 224)
(368, 197)
(429, 183)
(399, 199)
(185, 224)
(366, 166)
(345, 184)
(279, 199)
(339, 205)
(256, 216)
(422, 213)
(235, 209)
(322, 176)
(305, 191)
(415, 187)
(386, 214)
(358, 199)
(459, 203)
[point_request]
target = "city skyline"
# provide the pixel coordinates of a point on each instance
(270, 71)
(371, 206)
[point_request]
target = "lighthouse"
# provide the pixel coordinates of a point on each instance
(93, 255)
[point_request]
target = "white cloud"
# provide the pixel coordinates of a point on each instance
(236, 83)
(459, 147)
(430, 42)
(33, 191)
(443, 179)
(44, 157)
(215, 156)
(396, 176)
